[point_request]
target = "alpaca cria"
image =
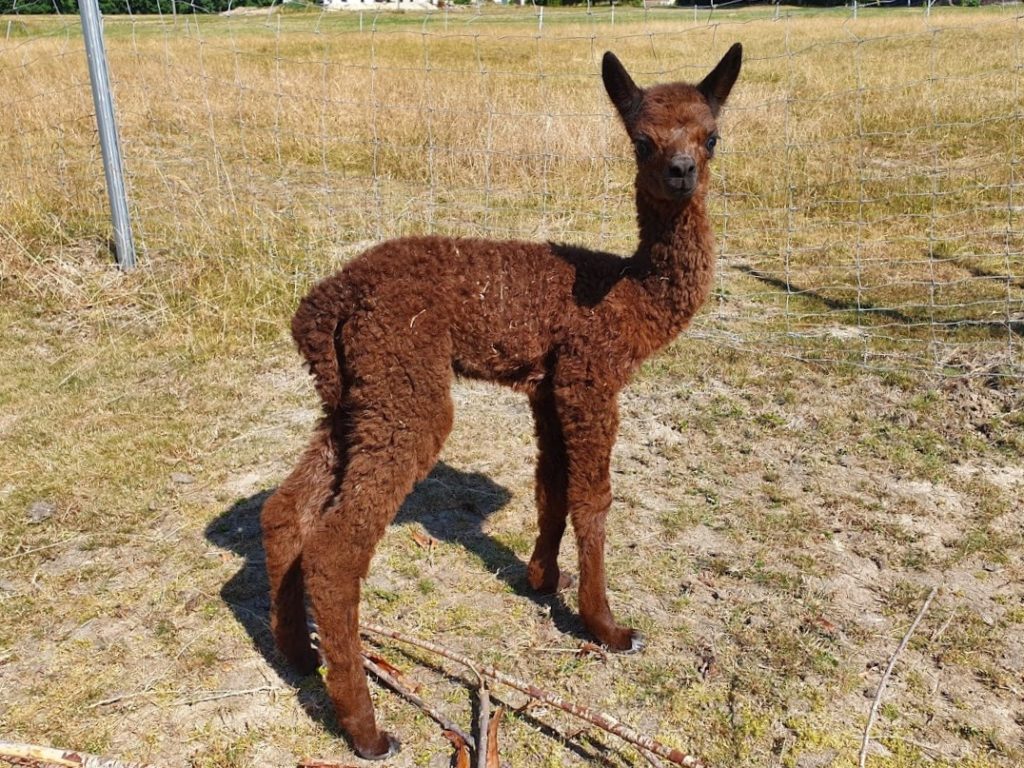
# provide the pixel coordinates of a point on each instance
(567, 326)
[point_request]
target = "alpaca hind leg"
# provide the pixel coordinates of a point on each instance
(542, 572)
(307, 489)
(337, 558)
(395, 429)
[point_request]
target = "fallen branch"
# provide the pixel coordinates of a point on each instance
(392, 682)
(648, 757)
(600, 719)
(885, 677)
(483, 725)
(33, 755)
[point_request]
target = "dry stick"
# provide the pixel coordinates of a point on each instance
(600, 719)
(119, 698)
(31, 754)
(648, 757)
(40, 549)
(885, 676)
(483, 723)
(218, 695)
(436, 714)
(146, 689)
(945, 625)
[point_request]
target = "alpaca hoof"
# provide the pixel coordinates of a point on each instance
(544, 586)
(392, 748)
(636, 643)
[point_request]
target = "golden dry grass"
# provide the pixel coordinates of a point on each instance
(870, 176)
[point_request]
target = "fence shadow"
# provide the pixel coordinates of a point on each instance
(450, 504)
(1000, 278)
(866, 309)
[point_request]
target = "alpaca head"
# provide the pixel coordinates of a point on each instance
(672, 126)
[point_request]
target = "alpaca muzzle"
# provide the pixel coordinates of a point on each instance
(681, 176)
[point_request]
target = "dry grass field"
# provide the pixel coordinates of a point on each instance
(841, 432)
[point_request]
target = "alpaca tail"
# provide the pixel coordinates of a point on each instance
(314, 329)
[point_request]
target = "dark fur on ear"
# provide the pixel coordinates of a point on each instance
(623, 92)
(716, 86)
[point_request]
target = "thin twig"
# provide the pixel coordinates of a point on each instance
(600, 719)
(119, 698)
(885, 676)
(147, 688)
(933, 751)
(34, 755)
(32, 551)
(483, 720)
(218, 695)
(401, 690)
(945, 625)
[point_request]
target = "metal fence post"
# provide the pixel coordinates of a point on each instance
(110, 146)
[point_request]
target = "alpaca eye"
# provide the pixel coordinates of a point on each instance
(711, 143)
(644, 147)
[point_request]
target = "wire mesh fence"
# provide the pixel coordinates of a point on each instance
(867, 196)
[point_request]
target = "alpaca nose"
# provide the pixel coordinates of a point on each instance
(681, 173)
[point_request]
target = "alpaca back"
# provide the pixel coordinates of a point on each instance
(509, 307)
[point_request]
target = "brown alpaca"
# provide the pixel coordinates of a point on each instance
(567, 326)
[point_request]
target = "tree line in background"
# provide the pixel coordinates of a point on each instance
(111, 7)
(19, 7)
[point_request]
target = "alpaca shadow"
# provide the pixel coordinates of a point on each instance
(451, 505)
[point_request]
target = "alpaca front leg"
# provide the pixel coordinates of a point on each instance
(590, 428)
(588, 519)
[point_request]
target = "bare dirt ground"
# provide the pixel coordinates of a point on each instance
(776, 527)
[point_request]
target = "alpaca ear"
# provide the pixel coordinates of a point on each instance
(716, 86)
(623, 92)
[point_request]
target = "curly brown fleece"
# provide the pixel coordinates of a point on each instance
(567, 326)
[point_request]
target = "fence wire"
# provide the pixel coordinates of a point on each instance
(867, 198)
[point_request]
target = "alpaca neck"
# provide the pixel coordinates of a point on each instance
(677, 260)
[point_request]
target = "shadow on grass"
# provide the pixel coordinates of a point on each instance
(870, 311)
(451, 505)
